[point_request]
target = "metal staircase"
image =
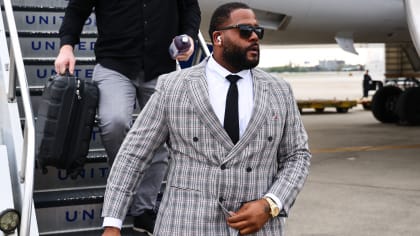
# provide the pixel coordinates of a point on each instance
(17, 148)
(63, 206)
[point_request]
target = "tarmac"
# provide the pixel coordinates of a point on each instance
(364, 178)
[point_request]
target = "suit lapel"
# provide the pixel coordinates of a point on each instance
(258, 117)
(200, 99)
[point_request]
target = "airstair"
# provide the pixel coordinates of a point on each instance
(63, 206)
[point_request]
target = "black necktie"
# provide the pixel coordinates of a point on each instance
(231, 122)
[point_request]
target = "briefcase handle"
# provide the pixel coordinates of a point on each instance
(66, 73)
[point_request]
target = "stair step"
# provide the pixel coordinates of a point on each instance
(75, 212)
(70, 197)
(72, 211)
(68, 210)
(40, 3)
(48, 44)
(36, 8)
(93, 174)
(126, 231)
(46, 19)
(37, 75)
(39, 70)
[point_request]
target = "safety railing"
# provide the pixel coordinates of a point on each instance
(203, 44)
(17, 70)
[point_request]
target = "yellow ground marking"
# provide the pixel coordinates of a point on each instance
(365, 148)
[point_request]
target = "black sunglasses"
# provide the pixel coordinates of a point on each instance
(245, 31)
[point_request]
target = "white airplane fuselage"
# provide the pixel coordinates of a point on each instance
(319, 22)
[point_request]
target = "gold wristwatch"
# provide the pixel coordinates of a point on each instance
(274, 209)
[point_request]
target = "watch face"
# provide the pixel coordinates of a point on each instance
(275, 211)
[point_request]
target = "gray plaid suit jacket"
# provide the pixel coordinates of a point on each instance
(272, 156)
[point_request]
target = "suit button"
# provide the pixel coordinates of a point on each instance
(270, 139)
(221, 199)
(223, 167)
(248, 169)
(195, 139)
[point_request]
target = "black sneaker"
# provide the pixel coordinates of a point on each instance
(145, 222)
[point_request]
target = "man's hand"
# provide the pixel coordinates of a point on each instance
(64, 60)
(186, 55)
(251, 217)
(111, 231)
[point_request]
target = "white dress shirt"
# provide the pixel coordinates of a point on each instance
(218, 87)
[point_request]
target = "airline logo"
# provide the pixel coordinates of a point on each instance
(37, 75)
(48, 21)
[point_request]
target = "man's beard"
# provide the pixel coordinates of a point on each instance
(237, 57)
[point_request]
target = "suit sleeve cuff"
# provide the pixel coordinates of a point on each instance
(112, 222)
(275, 199)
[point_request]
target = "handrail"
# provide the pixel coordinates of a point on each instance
(203, 44)
(26, 173)
(201, 49)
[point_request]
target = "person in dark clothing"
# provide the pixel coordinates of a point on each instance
(367, 81)
(131, 52)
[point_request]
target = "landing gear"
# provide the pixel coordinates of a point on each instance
(408, 106)
(366, 106)
(384, 104)
(392, 104)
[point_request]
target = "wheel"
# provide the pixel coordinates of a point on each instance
(319, 110)
(366, 106)
(384, 104)
(366, 103)
(342, 109)
(408, 108)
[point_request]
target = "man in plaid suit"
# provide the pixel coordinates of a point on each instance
(218, 185)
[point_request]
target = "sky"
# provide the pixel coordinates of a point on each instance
(371, 55)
